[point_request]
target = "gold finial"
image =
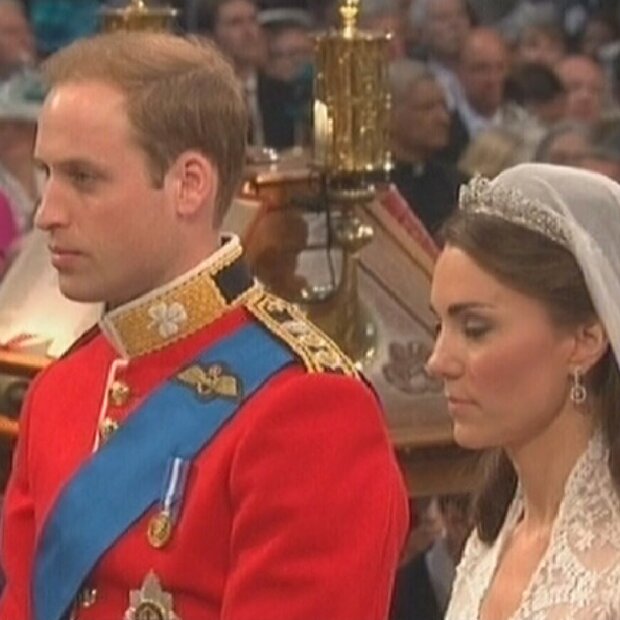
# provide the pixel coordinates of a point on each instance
(137, 7)
(349, 12)
(137, 15)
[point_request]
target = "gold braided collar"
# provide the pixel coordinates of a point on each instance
(180, 308)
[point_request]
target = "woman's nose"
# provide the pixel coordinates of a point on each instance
(443, 363)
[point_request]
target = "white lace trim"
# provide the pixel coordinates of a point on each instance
(578, 577)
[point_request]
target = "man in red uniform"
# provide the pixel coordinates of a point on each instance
(205, 453)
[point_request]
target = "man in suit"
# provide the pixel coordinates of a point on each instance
(234, 26)
(419, 130)
(424, 583)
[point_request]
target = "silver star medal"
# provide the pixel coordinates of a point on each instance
(150, 602)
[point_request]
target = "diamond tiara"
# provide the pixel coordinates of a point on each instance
(482, 197)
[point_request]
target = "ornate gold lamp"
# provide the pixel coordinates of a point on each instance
(138, 16)
(352, 101)
(351, 115)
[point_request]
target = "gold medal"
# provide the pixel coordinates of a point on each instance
(160, 529)
(161, 524)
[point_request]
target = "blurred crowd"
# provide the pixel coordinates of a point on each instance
(476, 85)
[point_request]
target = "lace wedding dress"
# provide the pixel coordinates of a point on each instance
(578, 577)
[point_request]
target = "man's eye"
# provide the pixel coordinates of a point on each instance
(81, 177)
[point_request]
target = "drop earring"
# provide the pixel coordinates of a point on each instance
(578, 391)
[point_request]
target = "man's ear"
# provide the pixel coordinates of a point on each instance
(192, 183)
(591, 343)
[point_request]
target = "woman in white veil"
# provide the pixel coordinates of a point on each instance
(527, 294)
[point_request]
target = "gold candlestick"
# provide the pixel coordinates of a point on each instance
(352, 107)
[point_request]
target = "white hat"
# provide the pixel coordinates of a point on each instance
(21, 96)
(285, 16)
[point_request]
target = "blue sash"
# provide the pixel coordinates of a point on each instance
(123, 479)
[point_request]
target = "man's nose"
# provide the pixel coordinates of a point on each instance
(51, 211)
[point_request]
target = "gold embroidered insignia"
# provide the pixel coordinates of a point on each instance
(211, 381)
(317, 351)
(150, 602)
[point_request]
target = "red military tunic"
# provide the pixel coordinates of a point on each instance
(296, 511)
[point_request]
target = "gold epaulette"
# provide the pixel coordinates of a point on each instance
(316, 350)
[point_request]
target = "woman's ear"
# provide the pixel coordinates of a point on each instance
(192, 183)
(591, 343)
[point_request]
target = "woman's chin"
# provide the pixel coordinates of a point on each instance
(470, 438)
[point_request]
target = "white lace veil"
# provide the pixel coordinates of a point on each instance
(577, 208)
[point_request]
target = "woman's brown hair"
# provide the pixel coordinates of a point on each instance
(534, 265)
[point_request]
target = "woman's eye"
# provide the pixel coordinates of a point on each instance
(476, 329)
